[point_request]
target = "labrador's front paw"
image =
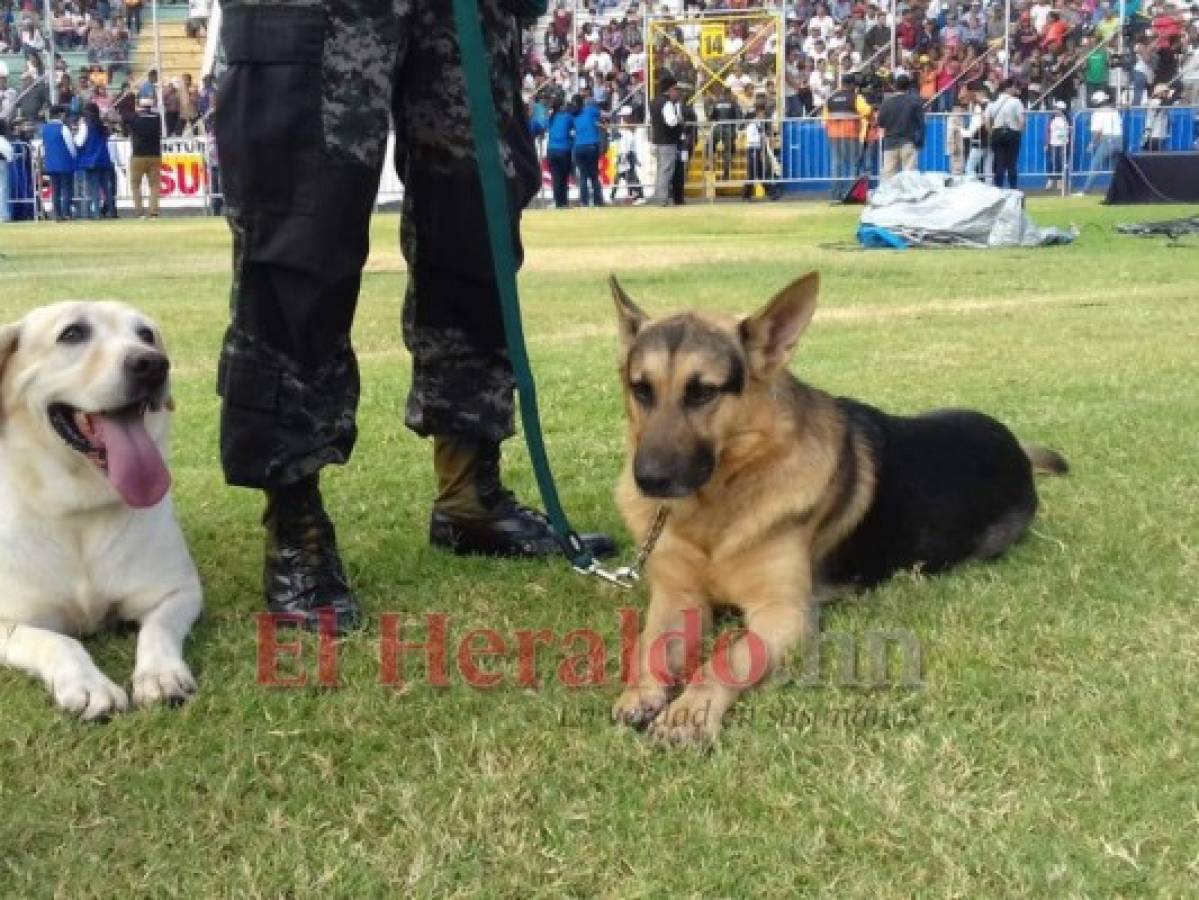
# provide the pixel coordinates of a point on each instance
(168, 681)
(88, 693)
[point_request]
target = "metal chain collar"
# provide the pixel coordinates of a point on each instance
(627, 577)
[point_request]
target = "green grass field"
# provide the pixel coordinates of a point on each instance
(1050, 752)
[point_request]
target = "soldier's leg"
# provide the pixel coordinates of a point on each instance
(302, 118)
(462, 386)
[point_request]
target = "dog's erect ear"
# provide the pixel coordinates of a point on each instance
(770, 335)
(629, 317)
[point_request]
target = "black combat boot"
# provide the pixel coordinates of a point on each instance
(475, 513)
(303, 574)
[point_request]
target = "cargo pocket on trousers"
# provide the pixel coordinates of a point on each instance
(252, 384)
(268, 113)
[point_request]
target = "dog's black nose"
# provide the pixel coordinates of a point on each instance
(655, 479)
(654, 485)
(148, 368)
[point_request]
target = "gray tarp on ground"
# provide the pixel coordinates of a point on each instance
(927, 208)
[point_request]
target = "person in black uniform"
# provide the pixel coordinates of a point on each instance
(678, 184)
(302, 119)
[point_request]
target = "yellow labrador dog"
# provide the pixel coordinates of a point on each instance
(87, 531)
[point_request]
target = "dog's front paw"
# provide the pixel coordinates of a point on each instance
(170, 682)
(638, 706)
(693, 720)
(86, 692)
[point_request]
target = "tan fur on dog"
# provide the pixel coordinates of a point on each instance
(771, 484)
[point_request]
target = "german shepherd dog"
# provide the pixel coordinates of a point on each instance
(778, 494)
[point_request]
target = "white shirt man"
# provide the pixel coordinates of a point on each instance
(1006, 111)
(1107, 137)
(1106, 123)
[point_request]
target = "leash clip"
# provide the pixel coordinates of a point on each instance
(624, 577)
(627, 577)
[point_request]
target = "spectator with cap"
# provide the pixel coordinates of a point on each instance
(846, 115)
(901, 118)
(1057, 145)
(666, 131)
(1005, 121)
(145, 162)
(626, 159)
(1107, 136)
(759, 170)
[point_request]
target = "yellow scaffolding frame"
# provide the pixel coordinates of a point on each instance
(656, 27)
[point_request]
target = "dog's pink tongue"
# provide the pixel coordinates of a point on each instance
(135, 467)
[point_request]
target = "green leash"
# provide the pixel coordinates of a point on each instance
(495, 203)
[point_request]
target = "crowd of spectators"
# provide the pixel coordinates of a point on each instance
(104, 31)
(1060, 50)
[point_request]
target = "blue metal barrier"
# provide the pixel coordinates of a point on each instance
(22, 190)
(806, 160)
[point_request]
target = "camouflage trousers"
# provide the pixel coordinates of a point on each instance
(302, 116)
